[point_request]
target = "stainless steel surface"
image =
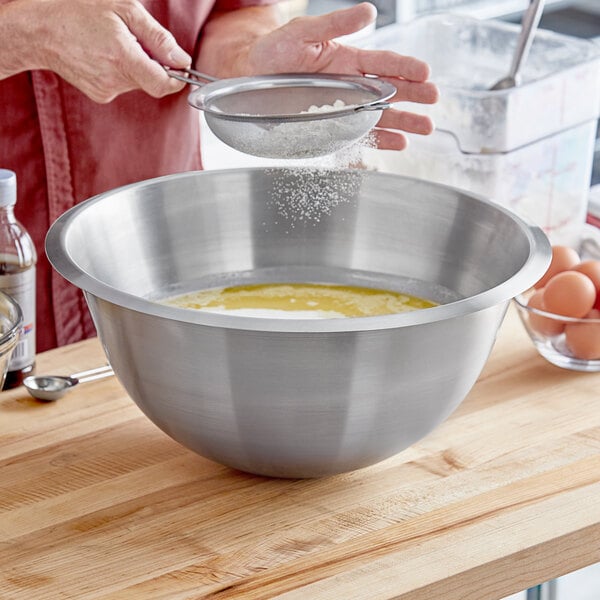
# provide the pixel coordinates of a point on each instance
(544, 591)
(53, 387)
(11, 321)
(268, 115)
(531, 19)
(189, 75)
(296, 398)
(590, 248)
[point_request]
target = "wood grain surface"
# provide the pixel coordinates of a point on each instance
(96, 502)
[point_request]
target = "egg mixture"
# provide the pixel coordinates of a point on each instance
(299, 301)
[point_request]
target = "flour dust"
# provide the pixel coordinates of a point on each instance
(312, 188)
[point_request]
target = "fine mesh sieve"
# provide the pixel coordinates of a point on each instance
(268, 116)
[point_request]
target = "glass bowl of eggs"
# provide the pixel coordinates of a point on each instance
(561, 313)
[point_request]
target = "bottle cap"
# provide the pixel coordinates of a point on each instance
(8, 188)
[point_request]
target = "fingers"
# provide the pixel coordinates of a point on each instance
(388, 140)
(388, 135)
(104, 49)
(386, 63)
(149, 76)
(410, 91)
(133, 70)
(150, 45)
(329, 26)
(157, 41)
(406, 121)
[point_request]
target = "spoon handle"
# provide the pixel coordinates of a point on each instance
(530, 21)
(93, 374)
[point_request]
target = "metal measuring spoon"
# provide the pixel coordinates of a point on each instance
(531, 19)
(52, 387)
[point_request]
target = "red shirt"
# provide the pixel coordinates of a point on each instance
(66, 148)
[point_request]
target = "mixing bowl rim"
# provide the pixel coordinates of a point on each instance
(531, 270)
(11, 336)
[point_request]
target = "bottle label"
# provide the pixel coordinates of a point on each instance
(21, 286)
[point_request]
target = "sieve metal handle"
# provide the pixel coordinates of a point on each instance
(373, 106)
(189, 75)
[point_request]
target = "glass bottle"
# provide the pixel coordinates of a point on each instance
(17, 278)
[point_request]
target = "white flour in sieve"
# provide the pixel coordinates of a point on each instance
(325, 107)
(299, 140)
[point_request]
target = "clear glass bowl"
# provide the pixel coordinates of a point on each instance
(547, 332)
(11, 321)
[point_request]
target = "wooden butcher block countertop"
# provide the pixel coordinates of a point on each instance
(96, 502)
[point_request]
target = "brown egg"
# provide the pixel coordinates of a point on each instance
(570, 294)
(591, 268)
(563, 258)
(543, 325)
(583, 339)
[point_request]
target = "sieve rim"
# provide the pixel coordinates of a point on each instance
(204, 97)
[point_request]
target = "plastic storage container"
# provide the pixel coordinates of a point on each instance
(529, 148)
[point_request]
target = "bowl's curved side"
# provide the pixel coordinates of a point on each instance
(297, 397)
(295, 405)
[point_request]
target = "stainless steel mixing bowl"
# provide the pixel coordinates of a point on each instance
(296, 398)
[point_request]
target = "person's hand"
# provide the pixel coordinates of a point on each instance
(307, 44)
(103, 48)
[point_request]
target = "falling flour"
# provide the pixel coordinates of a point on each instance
(313, 188)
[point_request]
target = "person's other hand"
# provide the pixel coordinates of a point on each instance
(307, 44)
(103, 48)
